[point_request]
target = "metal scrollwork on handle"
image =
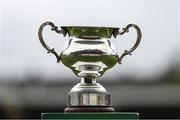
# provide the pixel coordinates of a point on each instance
(139, 36)
(53, 28)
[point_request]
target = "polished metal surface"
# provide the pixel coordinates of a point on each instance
(89, 33)
(138, 40)
(89, 55)
(53, 28)
(88, 94)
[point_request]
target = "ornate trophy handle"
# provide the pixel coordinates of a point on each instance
(139, 36)
(53, 28)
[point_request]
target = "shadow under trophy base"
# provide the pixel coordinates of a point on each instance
(89, 54)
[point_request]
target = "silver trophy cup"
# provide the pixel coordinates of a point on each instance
(89, 54)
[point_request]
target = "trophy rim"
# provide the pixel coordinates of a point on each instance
(88, 26)
(90, 31)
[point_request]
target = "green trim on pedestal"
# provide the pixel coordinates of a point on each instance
(92, 116)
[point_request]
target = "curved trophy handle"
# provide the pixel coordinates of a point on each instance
(53, 28)
(139, 36)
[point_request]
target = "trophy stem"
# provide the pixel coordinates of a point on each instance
(86, 80)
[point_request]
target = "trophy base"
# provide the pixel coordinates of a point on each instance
(88, 109)
(88, 96)
(91, 116)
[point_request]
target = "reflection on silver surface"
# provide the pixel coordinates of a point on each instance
(89, 57)
(89, 68)
(88, 94)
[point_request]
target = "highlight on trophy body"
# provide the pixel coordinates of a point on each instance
(90, 53)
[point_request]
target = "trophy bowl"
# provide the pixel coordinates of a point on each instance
(89, 54)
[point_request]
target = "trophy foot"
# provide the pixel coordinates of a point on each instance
(89, 96)
(88, 109)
